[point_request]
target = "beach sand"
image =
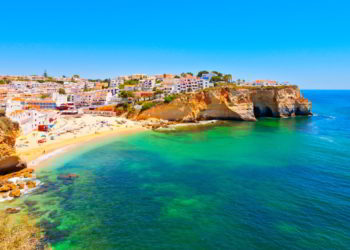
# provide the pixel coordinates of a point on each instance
(85, 130)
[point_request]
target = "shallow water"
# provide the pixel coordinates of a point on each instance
(272, 184)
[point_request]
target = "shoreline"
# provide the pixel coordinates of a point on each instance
(38, 157)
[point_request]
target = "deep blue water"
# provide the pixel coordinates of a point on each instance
(272, 184)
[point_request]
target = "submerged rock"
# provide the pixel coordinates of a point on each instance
(53, 214)
(11, 210)
(29, 203)
(67, 177)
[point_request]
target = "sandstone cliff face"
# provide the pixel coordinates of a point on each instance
(232, 103)
(9, 161)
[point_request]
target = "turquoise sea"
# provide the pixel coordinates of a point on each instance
(271, 184)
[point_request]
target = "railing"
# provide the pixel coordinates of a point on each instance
(99, 112)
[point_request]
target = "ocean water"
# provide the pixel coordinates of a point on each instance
(271, 184)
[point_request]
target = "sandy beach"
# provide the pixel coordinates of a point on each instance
(68, 133)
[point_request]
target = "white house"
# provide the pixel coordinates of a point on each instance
(59, 99)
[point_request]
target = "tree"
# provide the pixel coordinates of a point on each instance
(147, 105)
(217, 73)
(45, 73)
(189, 73)
(43, 96)
(200, 73)
(61, 91)
(132, 82)
(85, 88)
(169, 98)
(228, 78)
(126, 94)
(4, 82)
(216, 79)
(76, 76)
(158, 91)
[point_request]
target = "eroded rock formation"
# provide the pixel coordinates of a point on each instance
(9, 161)
(232, 103)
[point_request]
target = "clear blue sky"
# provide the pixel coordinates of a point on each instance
(305, 42)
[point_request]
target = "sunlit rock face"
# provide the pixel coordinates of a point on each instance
(9, 161)
(232, 103)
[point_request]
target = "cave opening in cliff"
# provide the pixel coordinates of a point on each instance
(262, 112)
(257, 112)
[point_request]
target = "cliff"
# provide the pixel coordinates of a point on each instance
(9, 161)
(232, 103)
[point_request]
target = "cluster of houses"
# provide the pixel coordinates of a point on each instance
(34, 100)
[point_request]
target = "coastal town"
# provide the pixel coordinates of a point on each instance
(37, 102)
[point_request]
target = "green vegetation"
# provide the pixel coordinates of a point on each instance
(216, 79)
(147, 105)
(221, 78)
(61, 91)
(158, 91)
(121, 86)
(131, 82)
(201, 73)
(43, 96)
(217, 73)
(188, 73)
(227, 78)
(126, 94)
(169, 98)
(5, 81)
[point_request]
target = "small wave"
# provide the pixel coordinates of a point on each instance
(326, 139)
(48, 156)
(328, 117)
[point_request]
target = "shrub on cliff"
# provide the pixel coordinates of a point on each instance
(18, 234)
(147, 105)
(169, 98)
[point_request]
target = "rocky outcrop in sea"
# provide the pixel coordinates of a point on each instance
(17, 184)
